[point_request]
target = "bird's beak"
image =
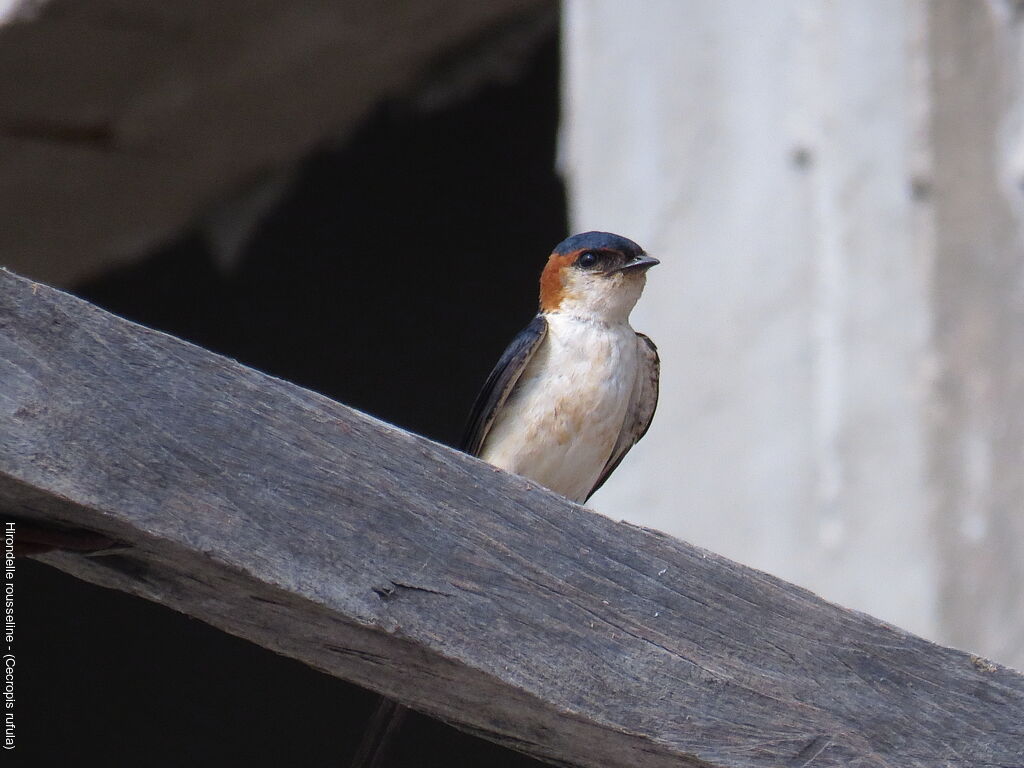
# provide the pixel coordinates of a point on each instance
(639, 264)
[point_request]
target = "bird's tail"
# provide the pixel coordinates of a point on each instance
(379, 736)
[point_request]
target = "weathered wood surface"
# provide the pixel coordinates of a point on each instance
(385, 559)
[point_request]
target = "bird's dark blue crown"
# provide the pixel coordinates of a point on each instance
(599, 240)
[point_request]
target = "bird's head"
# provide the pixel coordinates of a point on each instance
(595, 275)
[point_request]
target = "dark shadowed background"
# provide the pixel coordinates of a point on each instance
(389, 275)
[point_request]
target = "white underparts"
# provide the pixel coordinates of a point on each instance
(562, 420)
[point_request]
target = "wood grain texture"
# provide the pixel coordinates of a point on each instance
(390, 561)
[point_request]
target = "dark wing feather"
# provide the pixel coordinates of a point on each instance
(642, 403)
(500, 383)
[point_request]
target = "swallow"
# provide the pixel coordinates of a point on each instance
(573, 392)
(578, 387)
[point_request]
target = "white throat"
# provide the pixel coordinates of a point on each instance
(604, 299)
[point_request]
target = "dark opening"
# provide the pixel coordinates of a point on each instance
(389, 277)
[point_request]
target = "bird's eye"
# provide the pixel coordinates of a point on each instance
(587, 259)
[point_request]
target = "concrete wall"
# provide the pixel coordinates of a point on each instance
(834, 189)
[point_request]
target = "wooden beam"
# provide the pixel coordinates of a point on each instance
(385, 559)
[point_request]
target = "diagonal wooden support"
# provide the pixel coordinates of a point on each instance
(385, 559)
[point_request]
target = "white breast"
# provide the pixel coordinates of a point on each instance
(561, 422)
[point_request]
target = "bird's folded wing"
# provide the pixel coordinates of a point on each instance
(642, 402)
(501, 382)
